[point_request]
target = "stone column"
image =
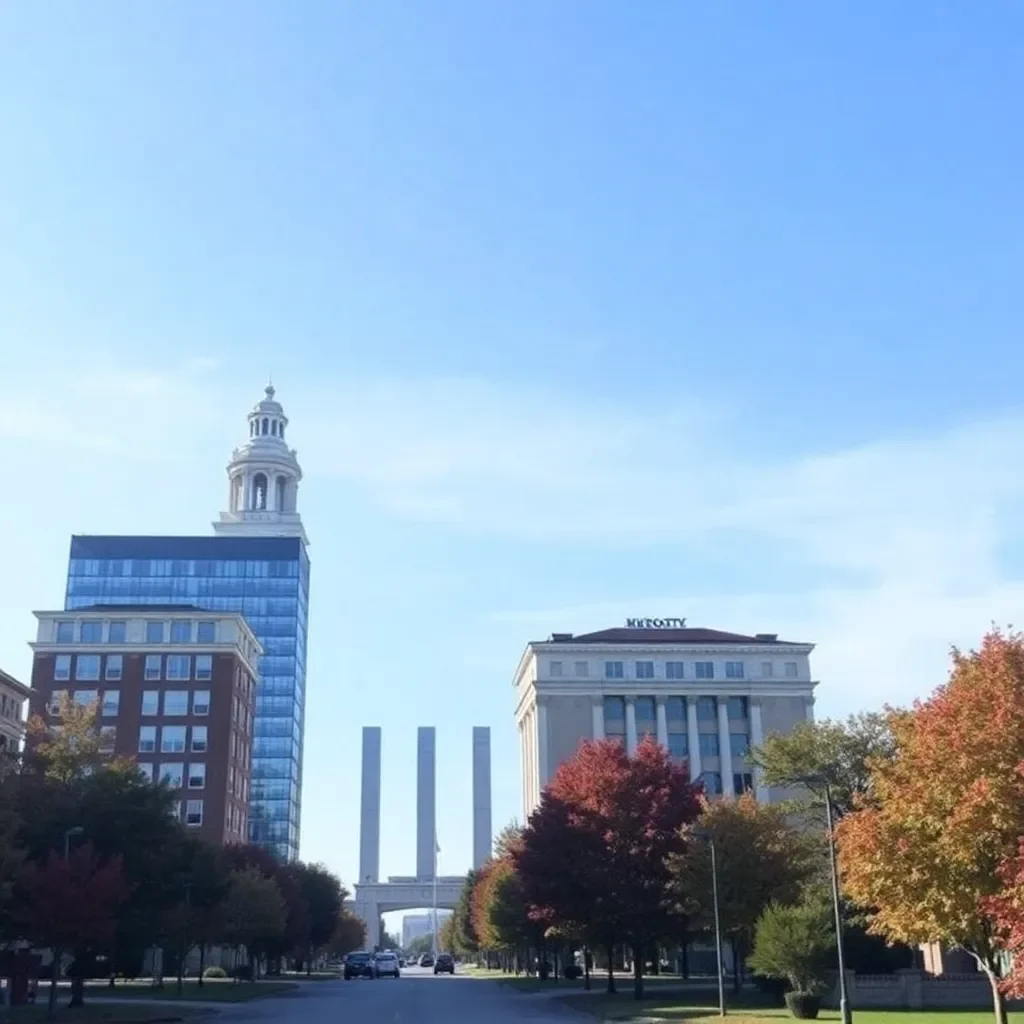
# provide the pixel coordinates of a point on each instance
(631, 725)
(724, 751)
(482, 830)
(598, 711)
(662, 722)
(693, 738)
(426, 802)
(756, 739)
(543, 766)
(369, 811)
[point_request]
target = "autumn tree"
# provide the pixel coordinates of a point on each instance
(942, 831)
(349, 933)
(594, 854)
(255, 915)
(69, 906)
(60, 787)
(760, 858)
(499, 912)
(839, 753)
(447, 938)
(71, 751)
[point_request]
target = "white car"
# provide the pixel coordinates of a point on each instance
(386, 965)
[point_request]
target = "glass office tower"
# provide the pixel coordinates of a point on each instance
(267, 580)
(256, 564)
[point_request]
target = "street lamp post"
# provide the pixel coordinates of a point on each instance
(77, 830)
(837, 907)
(710, 839)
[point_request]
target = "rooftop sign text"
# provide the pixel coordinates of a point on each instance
(655, 623)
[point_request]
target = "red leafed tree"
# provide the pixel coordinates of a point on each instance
(69, 906)
(593, 855)
(1007, 913)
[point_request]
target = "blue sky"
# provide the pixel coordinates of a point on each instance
(579, 310)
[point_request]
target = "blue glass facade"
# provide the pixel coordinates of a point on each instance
(267, 580)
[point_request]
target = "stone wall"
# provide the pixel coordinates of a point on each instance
(914, 990)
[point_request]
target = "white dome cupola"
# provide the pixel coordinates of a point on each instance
(263, 477)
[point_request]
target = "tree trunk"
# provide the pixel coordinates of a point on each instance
(638, 971)
(51, 1005)
(737, 965)
(202, 962)
(685, 958)
(586, 968)
(998, 999)
(611, 970)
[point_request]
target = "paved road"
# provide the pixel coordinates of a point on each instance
(416, 998)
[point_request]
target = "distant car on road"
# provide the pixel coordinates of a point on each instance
(358, 965)
(386, 965)
(426, 960)
(445, 964)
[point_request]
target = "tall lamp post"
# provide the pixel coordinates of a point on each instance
(819, 780)
(77, 830)
(708, 837)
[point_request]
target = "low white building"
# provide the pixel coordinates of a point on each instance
(707, 696)
(13, 699)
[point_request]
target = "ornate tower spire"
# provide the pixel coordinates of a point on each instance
(263, 476)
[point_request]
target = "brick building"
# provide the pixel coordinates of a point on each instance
(175, 687)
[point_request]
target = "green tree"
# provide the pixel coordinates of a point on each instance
(761, 859)
(794, 943)
(255, 915)
(464, 937)
(422, 944)
(840, 753)
(324, 897)
(202, 878)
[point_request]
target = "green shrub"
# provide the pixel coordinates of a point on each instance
(803, 1005)
(794, 943)
(215, 972)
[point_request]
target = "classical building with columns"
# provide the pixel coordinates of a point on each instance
(707, 696)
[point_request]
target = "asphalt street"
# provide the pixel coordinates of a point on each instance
(418, 997)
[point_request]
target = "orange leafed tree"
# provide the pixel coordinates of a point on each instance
(930, 855)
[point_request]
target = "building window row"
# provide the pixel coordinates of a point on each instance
(676, 708)
(674, 670)
(172, 739)
(95, 631)
(176, 702)
(178, 667)
(176, 774)
(88, 667)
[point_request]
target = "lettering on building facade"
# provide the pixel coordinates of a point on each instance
(655, 623)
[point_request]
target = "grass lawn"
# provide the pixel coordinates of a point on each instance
(624, 1008)
(527, 983)
(213, 990)
(106, 1014)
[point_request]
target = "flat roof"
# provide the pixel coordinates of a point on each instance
(698, 635)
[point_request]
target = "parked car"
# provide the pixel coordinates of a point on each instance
(385, 965)
(426, 960)
(445, 964)
(359, 965)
